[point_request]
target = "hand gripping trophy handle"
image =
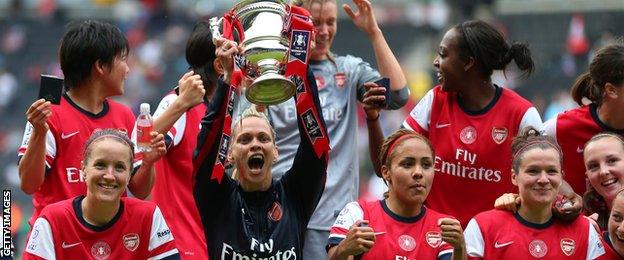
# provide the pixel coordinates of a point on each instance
(259, 25)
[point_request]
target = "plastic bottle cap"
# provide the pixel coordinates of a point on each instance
(145, 108)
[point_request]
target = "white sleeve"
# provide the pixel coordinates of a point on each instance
(41, 241)
(474, 239)
(549, 128)
(177, 130)
(531, 118)
(595, 248)
(50, 144)
(350, 214)
(421, 113)
(160, 233)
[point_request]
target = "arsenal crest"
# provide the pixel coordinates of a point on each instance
(468, 135)
(275, 212)
(341, 79)
(131, 241)
(434, 239)
(499, 135)
(567, 246)
(100, 250)
(407, 243)
(538, 248)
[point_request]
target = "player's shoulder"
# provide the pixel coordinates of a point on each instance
(57, 209)
(493, 215)
(512, 99)
(574, 114)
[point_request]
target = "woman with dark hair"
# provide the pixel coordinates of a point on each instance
(177, 117)
(103, 224)
(93, 59)
(370, 230)
(470, 120)
(602, 85)
(532, 231)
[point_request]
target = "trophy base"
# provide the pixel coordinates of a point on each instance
(270, 89)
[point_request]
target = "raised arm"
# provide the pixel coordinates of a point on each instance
(32, 164)
(209, 192)
(387, 63)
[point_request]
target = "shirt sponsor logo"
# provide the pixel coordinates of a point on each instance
(65, 245)
(341, 79)
(65, 136)
(433, 238)
(499, 135)
(567, 246)
(131, 241)
(464, 165)
(468, 135)
(100, 250)
(407, 243)
(497, 245)
(538, 248)
(262, 252)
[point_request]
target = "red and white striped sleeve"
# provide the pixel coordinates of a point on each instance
(351, 213)
(161, 243)
(40, 244)
(50, 144)
(419, 118)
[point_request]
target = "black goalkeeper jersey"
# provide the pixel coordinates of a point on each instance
(256, 225)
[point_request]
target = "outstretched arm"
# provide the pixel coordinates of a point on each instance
(387, 63)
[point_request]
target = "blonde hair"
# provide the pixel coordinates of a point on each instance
(251, 112)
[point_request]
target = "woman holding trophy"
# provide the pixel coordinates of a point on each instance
(254, 216)
(343, 82)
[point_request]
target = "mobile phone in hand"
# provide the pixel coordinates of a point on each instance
(51, 89)
(384, 82)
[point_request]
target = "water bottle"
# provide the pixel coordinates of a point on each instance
(144, 125)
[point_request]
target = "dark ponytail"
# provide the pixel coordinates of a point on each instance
(584, 87)
(606, 67)
(521, 54)
(488, 47)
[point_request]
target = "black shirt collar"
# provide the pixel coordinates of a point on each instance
(396, 217)
(89, 114)
(77, 204)
(497, 94)
(534, 225)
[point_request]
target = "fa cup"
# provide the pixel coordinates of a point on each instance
(260, 26)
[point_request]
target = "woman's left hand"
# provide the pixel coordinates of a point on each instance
(364, 18)
(569, 212)
(452, 232)
(158, 148)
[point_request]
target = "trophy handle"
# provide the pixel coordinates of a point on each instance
(215, 23)
(230, 23)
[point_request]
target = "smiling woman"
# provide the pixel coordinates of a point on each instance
(91, 225)
(536, 171)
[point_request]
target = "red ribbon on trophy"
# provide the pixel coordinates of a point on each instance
(300, 34)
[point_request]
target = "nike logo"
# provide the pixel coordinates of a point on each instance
(64, 136)
(497, 245)
(64, 245)
(580, 149)
(438, 125)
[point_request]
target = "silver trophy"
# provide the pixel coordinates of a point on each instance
(260, 26)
